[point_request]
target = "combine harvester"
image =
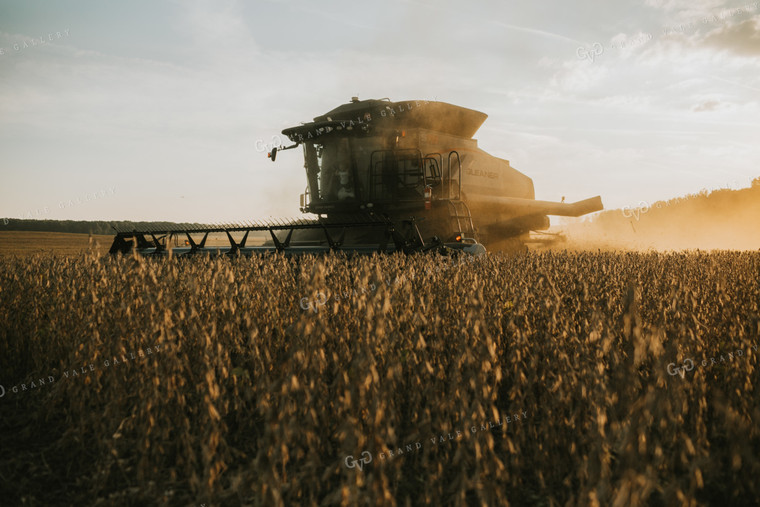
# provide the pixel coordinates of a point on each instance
(387, 176)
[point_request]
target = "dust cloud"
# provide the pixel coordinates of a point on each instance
(719, 220)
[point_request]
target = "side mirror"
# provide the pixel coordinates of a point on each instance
(273, 153)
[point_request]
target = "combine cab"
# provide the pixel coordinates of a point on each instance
(389, 176)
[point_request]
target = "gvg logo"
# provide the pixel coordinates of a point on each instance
(276, 142)
(689, 364)
(636, 212)
(366, 459)
(589, 54)
(307, 304)
(674, 370)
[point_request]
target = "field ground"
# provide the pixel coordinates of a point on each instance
(26, 243)
(536, 379)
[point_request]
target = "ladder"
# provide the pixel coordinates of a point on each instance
(461, 218)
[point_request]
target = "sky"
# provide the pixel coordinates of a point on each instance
(162, 110)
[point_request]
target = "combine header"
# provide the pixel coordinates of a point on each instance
(325, 235)
(387, 176)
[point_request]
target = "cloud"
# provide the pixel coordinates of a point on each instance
(219, 33)
(742, 85)
(708, 105)
(673, 5)
(742, 38)
(535, 31)
(682, 10)
(578, 77)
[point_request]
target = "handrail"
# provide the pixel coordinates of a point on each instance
(459, 174)
(432, 157)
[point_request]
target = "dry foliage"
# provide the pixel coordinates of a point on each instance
(252, 400)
